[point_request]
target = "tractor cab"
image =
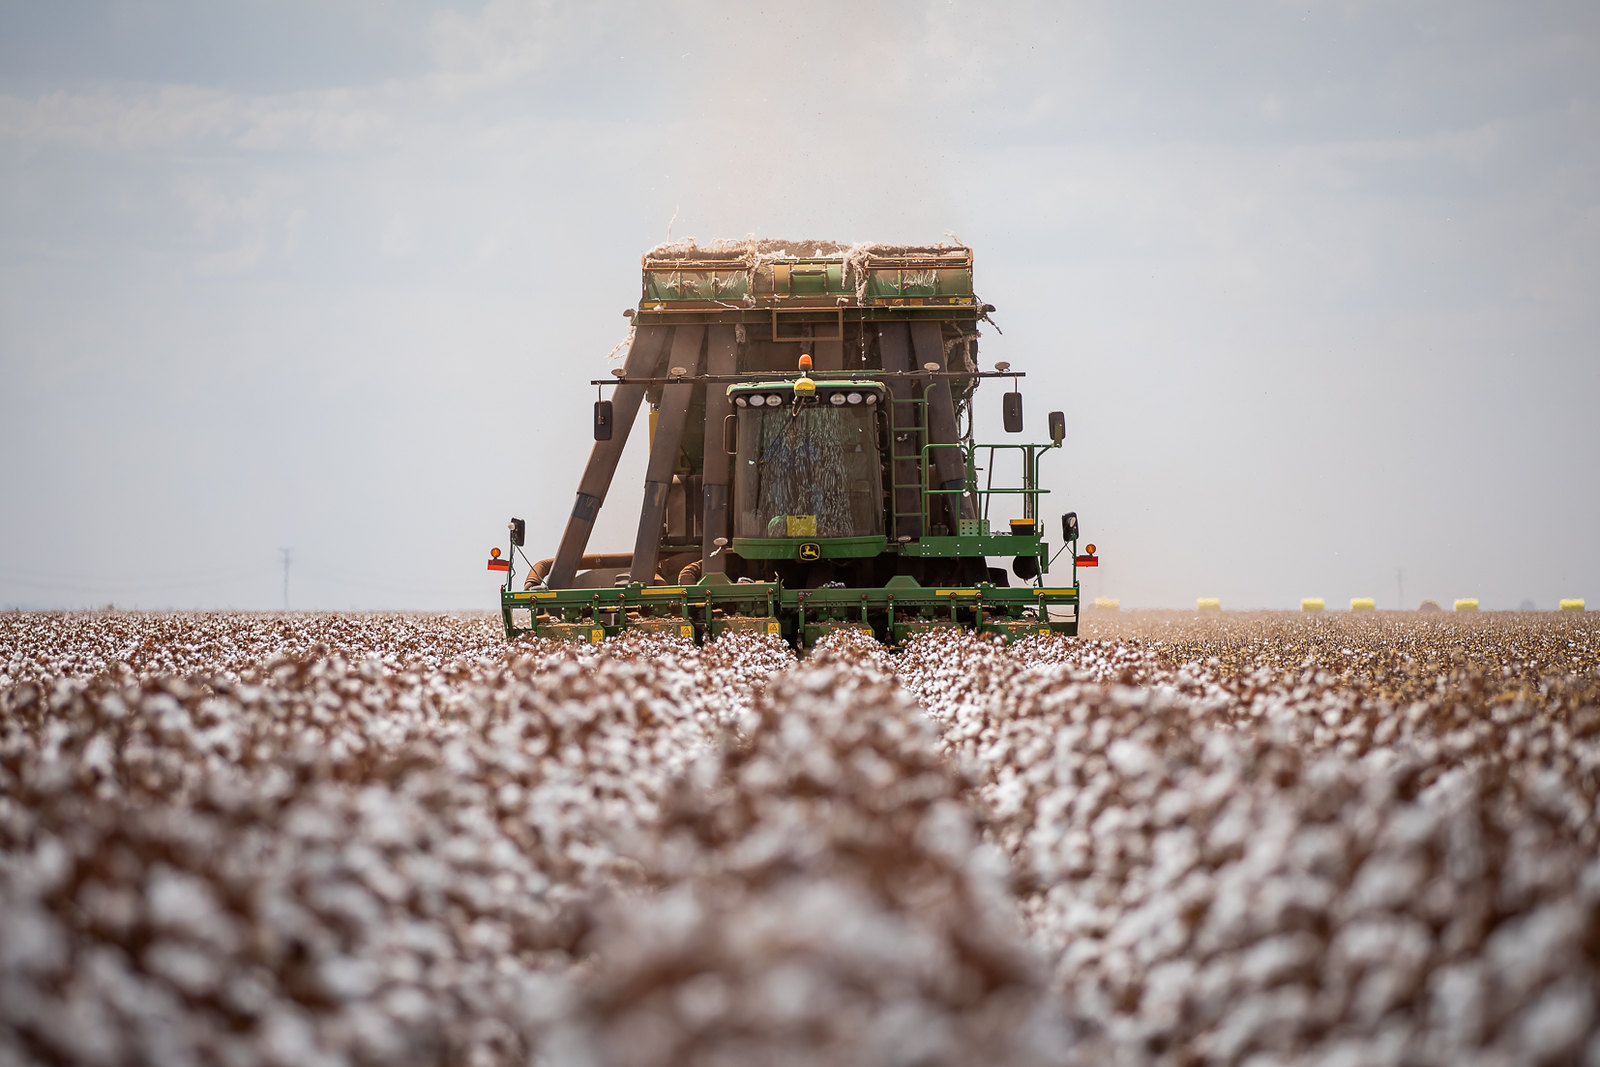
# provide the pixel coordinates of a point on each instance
(807, 475)
(807, 461)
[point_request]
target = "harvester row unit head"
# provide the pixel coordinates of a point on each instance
(812, 465)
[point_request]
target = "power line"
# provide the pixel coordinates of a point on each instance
(288, 557)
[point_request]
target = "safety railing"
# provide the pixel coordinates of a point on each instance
(1029, 489)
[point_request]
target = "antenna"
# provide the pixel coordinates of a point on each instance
(288, 557)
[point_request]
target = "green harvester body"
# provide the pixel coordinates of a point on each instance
(808, 472)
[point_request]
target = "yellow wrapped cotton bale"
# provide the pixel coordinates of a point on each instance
(1363, 603)
(1208, 603)
(1467, 604)
(1312, 603)
(1107, 603)
(1572, 605)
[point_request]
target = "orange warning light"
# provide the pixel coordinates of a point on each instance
(494, 553)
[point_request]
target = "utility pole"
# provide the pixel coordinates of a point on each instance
(288, 557)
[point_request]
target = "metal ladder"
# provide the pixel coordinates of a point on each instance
(907, 460)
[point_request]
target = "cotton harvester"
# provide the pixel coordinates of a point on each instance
(812, 465)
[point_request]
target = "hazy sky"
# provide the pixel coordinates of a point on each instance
(1316, 283)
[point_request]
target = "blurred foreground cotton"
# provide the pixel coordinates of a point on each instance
(394, 839)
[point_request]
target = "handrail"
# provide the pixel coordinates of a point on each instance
(1029, 490)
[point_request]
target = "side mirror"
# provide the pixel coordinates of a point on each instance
(1011, 408)
(602, 420)
(519, 530)
(1069, 527)
(730, 434)
(1058, 427)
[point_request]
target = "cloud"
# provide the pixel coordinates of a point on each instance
(503, 43)
(117, 121)
(1230, 301)
(506, 41)
(179, 116)
(239, 224)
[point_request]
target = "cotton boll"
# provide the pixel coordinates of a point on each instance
(430, 844)
(31, 941)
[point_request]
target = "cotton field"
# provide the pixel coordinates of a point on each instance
(396, 839)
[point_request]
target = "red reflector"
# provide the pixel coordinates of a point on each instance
(499, 564)
(1088, 561)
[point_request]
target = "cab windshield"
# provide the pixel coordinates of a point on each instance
(810, 470)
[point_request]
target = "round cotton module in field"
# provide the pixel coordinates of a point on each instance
(364, 836)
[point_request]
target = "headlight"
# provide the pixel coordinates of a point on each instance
(774, 400)
(853, 398)
(836, 398)
(872, 398)
(741, 401)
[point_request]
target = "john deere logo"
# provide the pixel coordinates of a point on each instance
(810, 550)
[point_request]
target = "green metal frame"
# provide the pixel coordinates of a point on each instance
(828, 547)
(892, 613)
(710, 288)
